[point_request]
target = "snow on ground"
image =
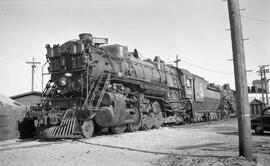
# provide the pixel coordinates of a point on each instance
(211, 144)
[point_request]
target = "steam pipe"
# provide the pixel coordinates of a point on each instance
(42, 75)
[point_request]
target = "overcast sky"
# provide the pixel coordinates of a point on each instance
(192, 29)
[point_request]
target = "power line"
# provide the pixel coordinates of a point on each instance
(206, 69)
(255, 19)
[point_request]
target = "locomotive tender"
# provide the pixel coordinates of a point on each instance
(95, 86)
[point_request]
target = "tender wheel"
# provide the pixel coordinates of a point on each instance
(88, 128)
(147, 122)
(259, 130)
(135, 126)
(158, 120)
(118, 129)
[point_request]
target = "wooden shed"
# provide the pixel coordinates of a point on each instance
(256, 107)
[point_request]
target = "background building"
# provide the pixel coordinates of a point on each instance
(10, 113)
(258, 90)
(257, 96)
(256, 107)
(28, 99)
(264, 84)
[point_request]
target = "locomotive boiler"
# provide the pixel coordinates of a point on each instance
(95, 86)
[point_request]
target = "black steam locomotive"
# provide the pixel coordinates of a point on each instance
(95, 86)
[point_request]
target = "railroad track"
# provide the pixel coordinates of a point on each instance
(24, 144)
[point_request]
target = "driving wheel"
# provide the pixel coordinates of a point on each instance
(135, 126)
(158, 120)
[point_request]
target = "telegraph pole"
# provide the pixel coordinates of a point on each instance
(245, 143)
(265, 81)
(177, 60)
(33, 71)
(262, 72)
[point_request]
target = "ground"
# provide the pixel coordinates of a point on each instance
(213, 144)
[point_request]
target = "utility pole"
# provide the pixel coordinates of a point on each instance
(262, 72)
(177, 60)
(245, 143)
(33, 71)
(265, 81)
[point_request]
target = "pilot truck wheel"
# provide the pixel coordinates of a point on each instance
(88, 128)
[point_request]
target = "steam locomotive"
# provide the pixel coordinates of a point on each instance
(95, 86)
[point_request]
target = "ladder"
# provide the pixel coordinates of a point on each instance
(48, 91)
(95, 92)
(88, 102)
(107, 82)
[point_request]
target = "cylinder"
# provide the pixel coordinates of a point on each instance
(105, 117)
(113, 115)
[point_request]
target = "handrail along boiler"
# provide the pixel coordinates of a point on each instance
(94, 85)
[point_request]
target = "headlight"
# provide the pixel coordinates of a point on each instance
(63, 81)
